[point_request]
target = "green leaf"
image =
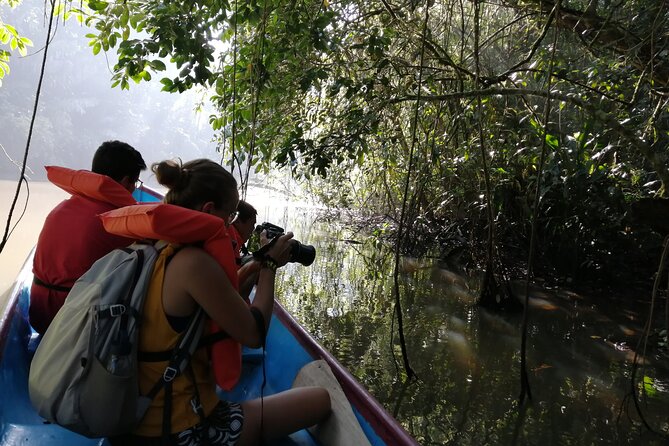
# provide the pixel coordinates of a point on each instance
(124, 18)
(649, 386)
(552, 141)
(157, 65)
(11, 29)
(135, 19)
(4, 37)
(4, 68)
(97, 5)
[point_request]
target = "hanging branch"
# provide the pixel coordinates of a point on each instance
(644, 338)
(524, 380)
(530, 54)
(489, 283)
(631, 44)
(22, 177)
(255, 85)
(400, 229)
(651, 151)
(233, 157)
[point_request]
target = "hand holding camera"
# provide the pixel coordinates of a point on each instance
(279, 249)
(300, 253)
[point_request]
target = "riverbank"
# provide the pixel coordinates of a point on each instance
(43, 197)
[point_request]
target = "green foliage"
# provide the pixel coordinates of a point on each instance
(328, 90)
(10, 40)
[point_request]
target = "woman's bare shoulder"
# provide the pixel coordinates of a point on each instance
(192, 258)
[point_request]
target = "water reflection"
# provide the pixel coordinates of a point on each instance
(467, 359)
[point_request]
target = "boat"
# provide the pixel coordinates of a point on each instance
(289, 349)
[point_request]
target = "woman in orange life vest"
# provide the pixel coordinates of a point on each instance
(191, 278)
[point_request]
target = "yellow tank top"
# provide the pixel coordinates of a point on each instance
(157, 335)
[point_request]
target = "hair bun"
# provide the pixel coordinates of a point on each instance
(170, 174)
(196, 182)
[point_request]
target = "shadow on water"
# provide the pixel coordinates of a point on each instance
(580, 349)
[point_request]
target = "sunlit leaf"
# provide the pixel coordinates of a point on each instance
(649, 386)
(97, 5)
(11, 30)
(552, 141)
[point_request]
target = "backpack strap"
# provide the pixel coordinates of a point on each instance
(166, 355)
(167, 413)
(179, 359)
(123, 342)
(195, 405)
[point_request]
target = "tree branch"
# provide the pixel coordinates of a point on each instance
(656, 158)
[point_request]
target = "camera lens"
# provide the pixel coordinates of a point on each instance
(304, 254)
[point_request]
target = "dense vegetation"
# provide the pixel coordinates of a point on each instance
(443, 115)
(470, 129)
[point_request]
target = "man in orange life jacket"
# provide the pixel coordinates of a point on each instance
(242, 227)
(73, 237)
(240, 230)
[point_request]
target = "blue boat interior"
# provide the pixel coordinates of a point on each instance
(20, 424)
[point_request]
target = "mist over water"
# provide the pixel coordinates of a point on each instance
(78, 109)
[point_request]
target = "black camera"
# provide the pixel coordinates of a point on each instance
(300, 253)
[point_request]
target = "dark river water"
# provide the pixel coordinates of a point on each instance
(467, 360)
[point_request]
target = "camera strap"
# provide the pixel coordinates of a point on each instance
(261, 253)
(262, 328)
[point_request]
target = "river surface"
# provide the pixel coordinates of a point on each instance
(580, 349)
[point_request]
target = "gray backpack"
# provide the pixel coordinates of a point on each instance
(84, 373)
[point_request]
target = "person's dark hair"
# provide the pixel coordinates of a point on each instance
(246, 211)
(117, 160)
(194, 183)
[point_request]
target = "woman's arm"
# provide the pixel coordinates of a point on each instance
(193, 276)
(248, 276)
